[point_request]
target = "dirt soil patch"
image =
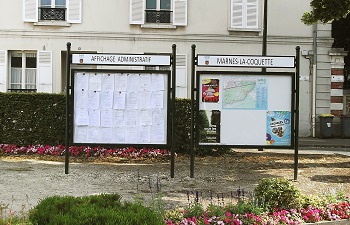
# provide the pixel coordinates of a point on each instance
(26, 180)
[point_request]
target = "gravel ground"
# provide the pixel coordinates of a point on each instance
(24, 181)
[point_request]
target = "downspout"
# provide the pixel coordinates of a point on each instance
(314, 75)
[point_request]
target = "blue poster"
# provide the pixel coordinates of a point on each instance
(278, 128)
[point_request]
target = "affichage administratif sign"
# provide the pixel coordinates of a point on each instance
(246, 61)
(121, 59)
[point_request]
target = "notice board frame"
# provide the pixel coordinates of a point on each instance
(77, 58)
(204, 60)
(218, 134)
(165, 111)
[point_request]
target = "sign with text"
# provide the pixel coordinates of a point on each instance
(246, 61)
(121, 59)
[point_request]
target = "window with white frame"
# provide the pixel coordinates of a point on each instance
(23, 71)
(244, 14)
(166, 12)
(158, 11)
(52, 10)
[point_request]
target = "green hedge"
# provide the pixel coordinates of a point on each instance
(38, 118)
(32, 118)
(100, 209)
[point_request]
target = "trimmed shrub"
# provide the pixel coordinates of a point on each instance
(101, 209)
(278, 193)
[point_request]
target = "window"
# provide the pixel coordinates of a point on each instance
(52, 10)
(40, 11)
(161, 12)
(23, 71)
(158, 11)
(244, 14)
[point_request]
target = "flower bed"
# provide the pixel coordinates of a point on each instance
(335, 212)
(84, 151)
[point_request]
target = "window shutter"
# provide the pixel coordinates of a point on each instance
(181, 76)
(236, 13)
(74, 11)
(44, 72)
(3, 70)
(30, 10)
(252, 13)
(180, 12)
(137, 12)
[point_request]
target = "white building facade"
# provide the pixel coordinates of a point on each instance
(34, 35)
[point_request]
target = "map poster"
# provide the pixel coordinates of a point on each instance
(242, 92)
(210, 90)
(278, 128)
(209, 126)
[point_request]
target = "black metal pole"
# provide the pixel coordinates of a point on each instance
(193, 47)
(264, 48)
(296, 138)
(173, 96)
(68, 61)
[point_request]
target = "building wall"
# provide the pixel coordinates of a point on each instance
(105, 28)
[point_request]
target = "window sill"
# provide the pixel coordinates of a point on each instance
(52, 23)
(158, 26)
(244, 31)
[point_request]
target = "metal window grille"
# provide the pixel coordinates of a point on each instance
(52, 14)
(156, 16)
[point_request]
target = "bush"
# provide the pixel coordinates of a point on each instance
(278, 193)
(101, 209)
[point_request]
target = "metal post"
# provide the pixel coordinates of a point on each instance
(264, 46)
(264, 49)
(192, 110)
(296, 136)
(173, 128)
(68, 61)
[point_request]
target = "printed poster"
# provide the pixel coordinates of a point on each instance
(278, 128)
(210, 90)
(209, 126)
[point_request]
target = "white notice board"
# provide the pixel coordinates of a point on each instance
(245, 109)
(120, 107)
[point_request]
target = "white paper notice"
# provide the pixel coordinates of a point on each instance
(106, 117)
(94, 99)
(119, 100)
(119, 134)
(145, 82)
(144, 100)
(94, 135)
(133, 82)
(131, 135)
(107, 99)
(158, 133)
(106, 135)
(81, 116)
(157, 117)
(80, 134)
(120, 82)
(118, 118)
(81, 98)
(94, 117)
(145, 134)
(108, 82)
(82, 81)
(131, 117)
(95, 82)
(157, 82)
(157, 99)
(146, 117)
(132, 100)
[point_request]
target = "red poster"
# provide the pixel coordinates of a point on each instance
(210, 90)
